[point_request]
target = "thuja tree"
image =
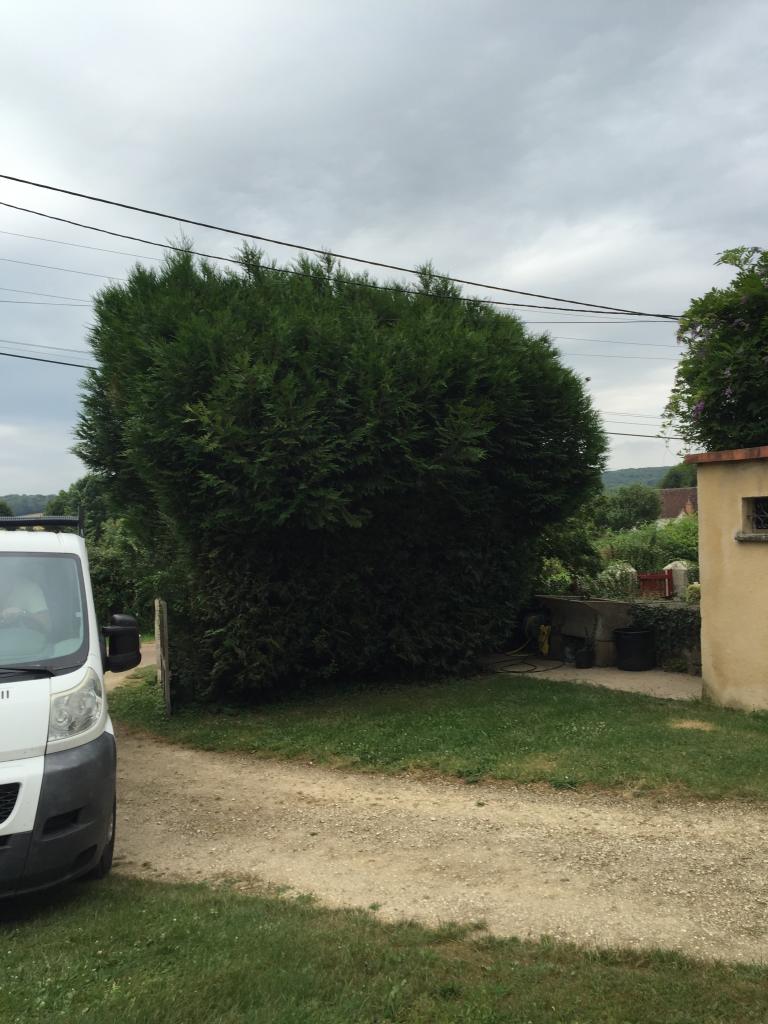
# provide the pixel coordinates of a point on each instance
(346, 480)
(720, 397)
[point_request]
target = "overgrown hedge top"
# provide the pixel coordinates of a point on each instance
(302, 424)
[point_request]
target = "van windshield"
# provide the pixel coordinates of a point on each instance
(43, 621)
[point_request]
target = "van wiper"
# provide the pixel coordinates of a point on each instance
(27, 670)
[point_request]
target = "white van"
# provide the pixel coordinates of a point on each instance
(57, 746)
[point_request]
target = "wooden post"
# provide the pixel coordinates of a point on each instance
(163, 662)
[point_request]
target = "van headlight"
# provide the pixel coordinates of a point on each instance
(77, 710)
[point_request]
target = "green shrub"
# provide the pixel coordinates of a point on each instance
(345, 480)
(693, 593)
(617, 580)
(638, 548)
(676, 627)
(650, 548)
(554, 578)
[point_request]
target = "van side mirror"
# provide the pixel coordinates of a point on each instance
(124, 645)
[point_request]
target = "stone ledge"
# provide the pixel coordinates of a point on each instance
(751, 538)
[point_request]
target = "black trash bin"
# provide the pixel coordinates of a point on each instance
(635, 649)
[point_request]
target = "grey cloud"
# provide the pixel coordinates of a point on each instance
(602, 151)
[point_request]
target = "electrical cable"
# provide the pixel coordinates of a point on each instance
(83, 366)
(48, 348)
(39, 359)
(615, 355)
(80, 245)
(29, 302)
(283, 270)
(45, 295)
(613, 341)
(63, 270)
(280, 270)
(323, 252)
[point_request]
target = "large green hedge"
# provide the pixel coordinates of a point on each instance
(344, 479)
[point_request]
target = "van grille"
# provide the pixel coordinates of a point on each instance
(8, 794)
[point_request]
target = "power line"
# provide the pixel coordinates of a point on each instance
(660, 437)
(612, 341)
(275, 270)
(76, 245)
(44, 295)
(84, 366)
(613, 355)
(63, 270)
(324, 252)
(628, 423)
(635, 415)
(39, 359)
(48, 348)
(602, 323)
(576, 355)
(29, 302)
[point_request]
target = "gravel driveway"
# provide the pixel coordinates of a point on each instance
(691, 876)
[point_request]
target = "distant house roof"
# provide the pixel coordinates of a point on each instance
(677, 501)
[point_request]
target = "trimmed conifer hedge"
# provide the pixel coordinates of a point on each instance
(342, 480)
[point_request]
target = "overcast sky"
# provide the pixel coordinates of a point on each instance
(598, 151)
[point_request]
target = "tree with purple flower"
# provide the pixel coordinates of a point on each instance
(724, 336)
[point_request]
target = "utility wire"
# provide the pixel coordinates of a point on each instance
(614, 355)
(84, 366)
(661, 437)
(570, 355)
(76, 245)
(635, 415)
(48, 348)
(38, 359)
(613, 341)
(63, 270)
(323, 252)
(45, 295)
(29, 302)
(273, 270)
(603, 323)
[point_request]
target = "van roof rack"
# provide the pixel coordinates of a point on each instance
(53, 524)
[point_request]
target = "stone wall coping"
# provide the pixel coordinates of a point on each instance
(733, 455)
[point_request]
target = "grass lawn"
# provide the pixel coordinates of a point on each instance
(498, 726)
(143, 952)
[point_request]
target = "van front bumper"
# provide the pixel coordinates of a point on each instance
(72, 824)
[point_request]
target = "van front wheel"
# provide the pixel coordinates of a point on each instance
(104, 866)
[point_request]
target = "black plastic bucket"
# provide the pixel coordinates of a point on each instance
(635, 649)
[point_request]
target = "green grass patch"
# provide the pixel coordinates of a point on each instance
(501, 727)
(142, 952)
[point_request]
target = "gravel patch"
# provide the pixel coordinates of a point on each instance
(589, 868)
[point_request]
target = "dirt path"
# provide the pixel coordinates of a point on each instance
(593, 869)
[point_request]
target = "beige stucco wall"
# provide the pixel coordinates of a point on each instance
(734, 586)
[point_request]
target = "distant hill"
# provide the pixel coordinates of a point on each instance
(650, 475)
(24, 504)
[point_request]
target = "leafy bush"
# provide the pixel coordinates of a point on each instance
(650, 548)
(679, 541)
(554, 577)
(626, 507)
(616, 580)
(682, 475)
(693, 593)
(123, 571)
(677, 631)
(346, 479)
